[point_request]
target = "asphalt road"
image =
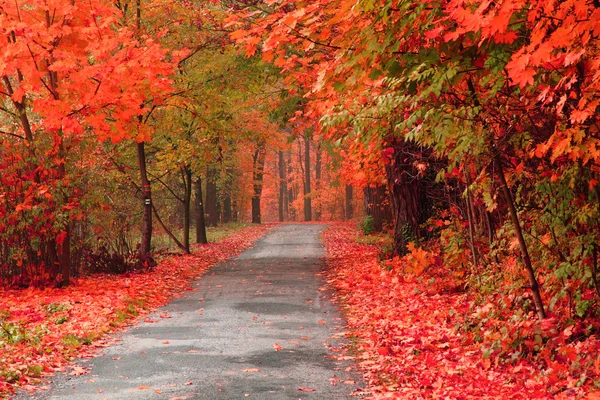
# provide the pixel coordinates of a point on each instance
(259, 326)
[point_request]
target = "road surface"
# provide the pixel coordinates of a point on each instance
(258, 326)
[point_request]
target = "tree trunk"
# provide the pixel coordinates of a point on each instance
(257, 181)
(318, 183)
(307, 193)
(212, 215)
(145, 244)
(234, 210)
(283, 191)
(407, 193)
(291, 197)
(227, 208)
(349, 203)
(64, 243)
(200, 223)
(187, 201)
(535, 289)
(377, 205)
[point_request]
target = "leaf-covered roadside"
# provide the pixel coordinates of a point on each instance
(418, 337)
(41, 330)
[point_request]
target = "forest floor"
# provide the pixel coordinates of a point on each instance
(42, 330)
(260, 325)
(414, 335)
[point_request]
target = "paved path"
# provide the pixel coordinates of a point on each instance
(221, 339)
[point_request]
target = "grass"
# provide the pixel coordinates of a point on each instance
(162, 242)
(375, 239)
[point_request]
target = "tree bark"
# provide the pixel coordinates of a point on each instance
(533, 283)
(146, 241)
(187, 201)
(212, 215)
(64, 244)
(257, 181)
(167, 230)
(349, 203)
(318, 182)
(471, 221)
(283, 191)
(307, 193)
(291, 197)
(407, 193)
(200, 223)
(377, 205)
(227, 207)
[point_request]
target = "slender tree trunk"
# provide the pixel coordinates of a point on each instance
(291, 197)
(471, 218)
(283, 191)
(349, 203)
(490, 226)
(533, 283)
(187, 201)
(212, 218)
(167, 230)
(146, 242)
(227, 208)
(200, 223)
(318, 183)
(257, 182)
(307, 193)
(64, 242)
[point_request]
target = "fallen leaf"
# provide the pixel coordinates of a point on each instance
(76, 371)
(143, 387)
(306, 389)
(322, 322)
(251, 370)
(277, 347)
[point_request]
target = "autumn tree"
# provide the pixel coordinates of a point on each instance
(63, 86)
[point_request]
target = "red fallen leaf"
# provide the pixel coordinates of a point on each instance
(157, 391)
(165, 342)
(180, 398)
(277, 347)
(78, 371)
(165, 315)
(322, 322)
(189, 383)
(306, 389)
(143, 387)
(383, 351)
